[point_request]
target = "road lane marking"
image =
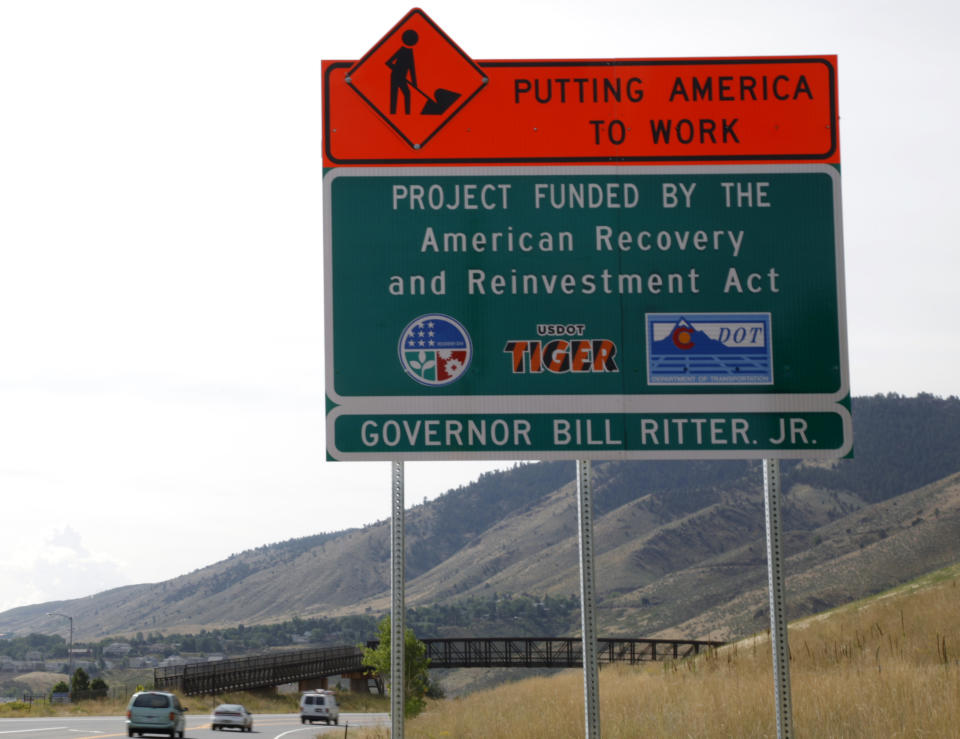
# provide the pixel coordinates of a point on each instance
(26, 731)
(294, 731)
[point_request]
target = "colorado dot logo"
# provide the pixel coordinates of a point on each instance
(435, 349)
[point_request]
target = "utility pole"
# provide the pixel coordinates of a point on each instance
(69, 648)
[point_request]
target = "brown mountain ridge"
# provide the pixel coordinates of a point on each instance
(679, 545)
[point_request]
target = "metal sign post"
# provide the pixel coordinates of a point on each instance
(397, 609)
(778, 625)
(591, 672)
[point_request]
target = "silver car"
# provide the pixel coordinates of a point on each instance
(231, 715)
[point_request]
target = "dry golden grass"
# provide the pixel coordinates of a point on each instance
(101, 707)
(887, 667)
(39, 682)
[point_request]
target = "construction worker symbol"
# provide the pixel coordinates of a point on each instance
(403, 76)
(416, 78)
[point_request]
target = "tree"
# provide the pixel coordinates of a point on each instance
(61, 687)
(98, 688)
(80, 681)
(416, 681)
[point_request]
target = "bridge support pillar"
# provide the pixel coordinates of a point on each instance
(314, 683)
(360, 681)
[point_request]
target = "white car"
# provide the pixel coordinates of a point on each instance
(319, 705)
(231, 715)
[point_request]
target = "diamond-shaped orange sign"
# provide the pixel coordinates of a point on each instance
(416, 78)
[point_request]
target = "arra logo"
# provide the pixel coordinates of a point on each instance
(562, 355)
(435, 349)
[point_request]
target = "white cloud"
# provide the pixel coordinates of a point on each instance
(56, 566)
(66, 543)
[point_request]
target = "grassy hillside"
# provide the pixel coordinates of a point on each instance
(883, 667)
(679, 545)
(864, 552)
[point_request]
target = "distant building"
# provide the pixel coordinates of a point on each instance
(28, 665)
(141, 662)
(117, 649)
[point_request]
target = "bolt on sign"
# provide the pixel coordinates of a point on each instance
(569, 259)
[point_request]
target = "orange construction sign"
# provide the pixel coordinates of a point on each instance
(417, 98)
(395, 78)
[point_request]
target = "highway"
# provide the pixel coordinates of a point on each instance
(265, 726)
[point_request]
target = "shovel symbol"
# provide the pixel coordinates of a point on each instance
(438, 104)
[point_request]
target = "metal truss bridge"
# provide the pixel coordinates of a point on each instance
(555, 651)
(248, 673)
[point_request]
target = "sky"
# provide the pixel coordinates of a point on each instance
(161, 303)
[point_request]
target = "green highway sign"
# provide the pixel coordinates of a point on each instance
(605, 435)
(577, 312)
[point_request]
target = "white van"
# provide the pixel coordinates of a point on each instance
(319, 705)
